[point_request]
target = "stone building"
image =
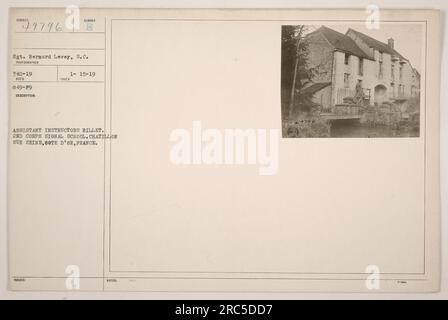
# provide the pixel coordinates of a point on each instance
(343, 63)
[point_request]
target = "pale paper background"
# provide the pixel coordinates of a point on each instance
(336, 205)
(242, 111)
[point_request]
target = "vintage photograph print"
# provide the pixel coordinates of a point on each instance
(351, 81)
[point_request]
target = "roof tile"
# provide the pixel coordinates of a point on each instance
(343, 42)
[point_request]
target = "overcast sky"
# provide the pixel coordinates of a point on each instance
(408, 37)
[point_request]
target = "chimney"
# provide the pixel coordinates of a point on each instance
(390, 42)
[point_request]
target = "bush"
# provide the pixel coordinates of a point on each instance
(306, 128)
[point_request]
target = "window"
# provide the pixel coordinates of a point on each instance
(346, 58)
(380, 71)
(346, 80)
(392, 89)
(392, 72)
(401, 90)
(401, 73)
(361, 66)
(381, 56)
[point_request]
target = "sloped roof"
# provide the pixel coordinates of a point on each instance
(315, 87)
(378, 45)
(416, 71)
(343, 42)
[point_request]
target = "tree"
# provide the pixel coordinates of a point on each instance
(295, 71)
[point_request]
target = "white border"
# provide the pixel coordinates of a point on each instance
(391, 4)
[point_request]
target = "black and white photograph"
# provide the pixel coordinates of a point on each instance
(351, 81)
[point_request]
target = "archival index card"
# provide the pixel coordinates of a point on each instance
(223, 150)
